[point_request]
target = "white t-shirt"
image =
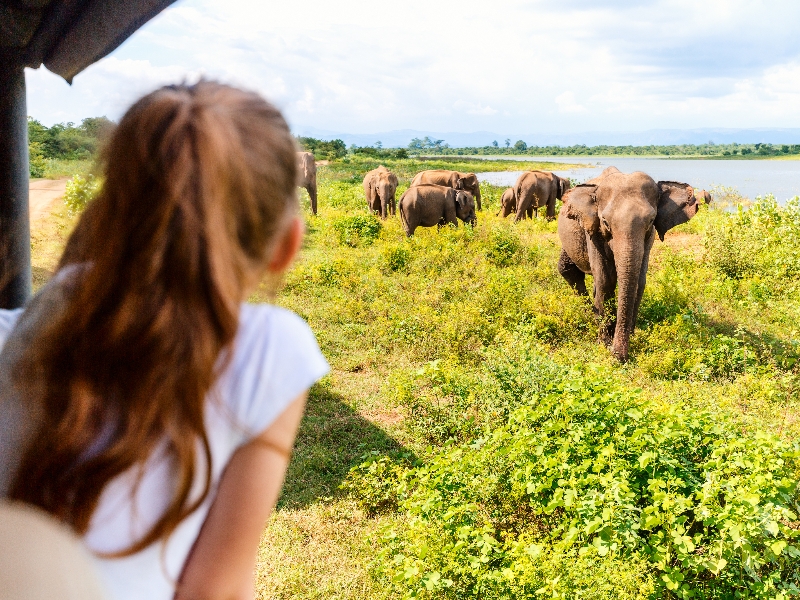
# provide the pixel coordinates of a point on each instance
(275, 358)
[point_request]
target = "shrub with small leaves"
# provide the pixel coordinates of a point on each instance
(37, 164)
(81, 189)
(395, 257)
(357, 230)
(503, 247)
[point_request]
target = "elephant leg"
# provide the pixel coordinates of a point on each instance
(393, 206)
(605, 282)
(570, 271)
(551, 209)
(533, 212)
(311, 188)
(648, 245)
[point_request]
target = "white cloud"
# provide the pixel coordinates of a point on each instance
(567, 104)
(524, 67)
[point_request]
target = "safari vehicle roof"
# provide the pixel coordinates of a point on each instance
(69, 35)
(66, 36)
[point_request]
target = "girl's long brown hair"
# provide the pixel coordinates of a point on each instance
(199, 181)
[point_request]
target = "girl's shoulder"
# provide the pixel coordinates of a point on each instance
(8, 320)
(275, 358)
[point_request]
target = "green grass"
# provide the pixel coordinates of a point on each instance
(470, 334)
(57, 168)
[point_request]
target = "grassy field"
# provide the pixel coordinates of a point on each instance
(473, 439)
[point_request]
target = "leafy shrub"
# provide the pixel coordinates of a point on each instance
(36, 160)
(584, 469)
(764, 241)
(395, 257)
(378, 483)
(503, 247)
(80, 191)
(357, 230)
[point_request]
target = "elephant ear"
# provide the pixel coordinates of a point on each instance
(563, 187)
(581, 204)
(676, 204)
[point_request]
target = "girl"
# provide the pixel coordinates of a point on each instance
(141, 402)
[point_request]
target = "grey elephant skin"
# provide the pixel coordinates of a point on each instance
(535, 189)
(454, 179)
(427, 205)
(607, 228)
(307, 168)
(380, 188)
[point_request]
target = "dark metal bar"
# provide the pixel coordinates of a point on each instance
(15, 238)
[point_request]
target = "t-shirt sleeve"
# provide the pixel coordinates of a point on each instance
(8, 319)
(276, 358)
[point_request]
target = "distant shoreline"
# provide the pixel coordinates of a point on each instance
(581, 157)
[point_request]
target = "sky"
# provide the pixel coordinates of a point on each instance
(467, 65)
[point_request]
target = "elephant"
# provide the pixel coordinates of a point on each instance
(508, 203)
(308, 176)
(538, 188)
(427, 205)
(454, 179)
(380, 186)
(607, 228)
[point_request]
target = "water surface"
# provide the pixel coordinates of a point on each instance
(750, 178)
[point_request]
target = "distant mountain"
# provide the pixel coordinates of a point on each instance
(401, 137)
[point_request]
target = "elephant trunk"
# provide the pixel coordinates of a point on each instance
(629, 267)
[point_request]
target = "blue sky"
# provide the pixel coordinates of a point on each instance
(507, 66)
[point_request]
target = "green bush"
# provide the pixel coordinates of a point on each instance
(81, 189)
(357, 230)
(585, 470)
(503, 247)
(395, 258)
(763, 240)
(37, 163)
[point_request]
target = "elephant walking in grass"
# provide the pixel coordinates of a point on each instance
(308, 176)
(380, 186)
(454, 179)
(607, 228)
(534, 189)
(428, 205)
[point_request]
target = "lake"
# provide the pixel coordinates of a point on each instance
(750, 178)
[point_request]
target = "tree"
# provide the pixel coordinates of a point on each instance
(520, 146)
(508, 142)
(495, 144)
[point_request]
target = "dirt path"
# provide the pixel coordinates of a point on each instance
(42, 195)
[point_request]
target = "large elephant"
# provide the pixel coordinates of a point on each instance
(454, 179)
(380, 186)
(538, 188)
(307, 168)
(427, 205)
(607, 228)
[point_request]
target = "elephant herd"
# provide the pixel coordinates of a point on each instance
(435, 197)
(606, 226)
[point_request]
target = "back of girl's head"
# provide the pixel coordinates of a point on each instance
(199, 182)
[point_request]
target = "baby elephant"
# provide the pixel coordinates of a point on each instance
(508, 203)
(428, 205)
(380, 186)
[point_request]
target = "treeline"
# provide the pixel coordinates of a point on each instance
(439, 147)
(333, 149)
(66, 140)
